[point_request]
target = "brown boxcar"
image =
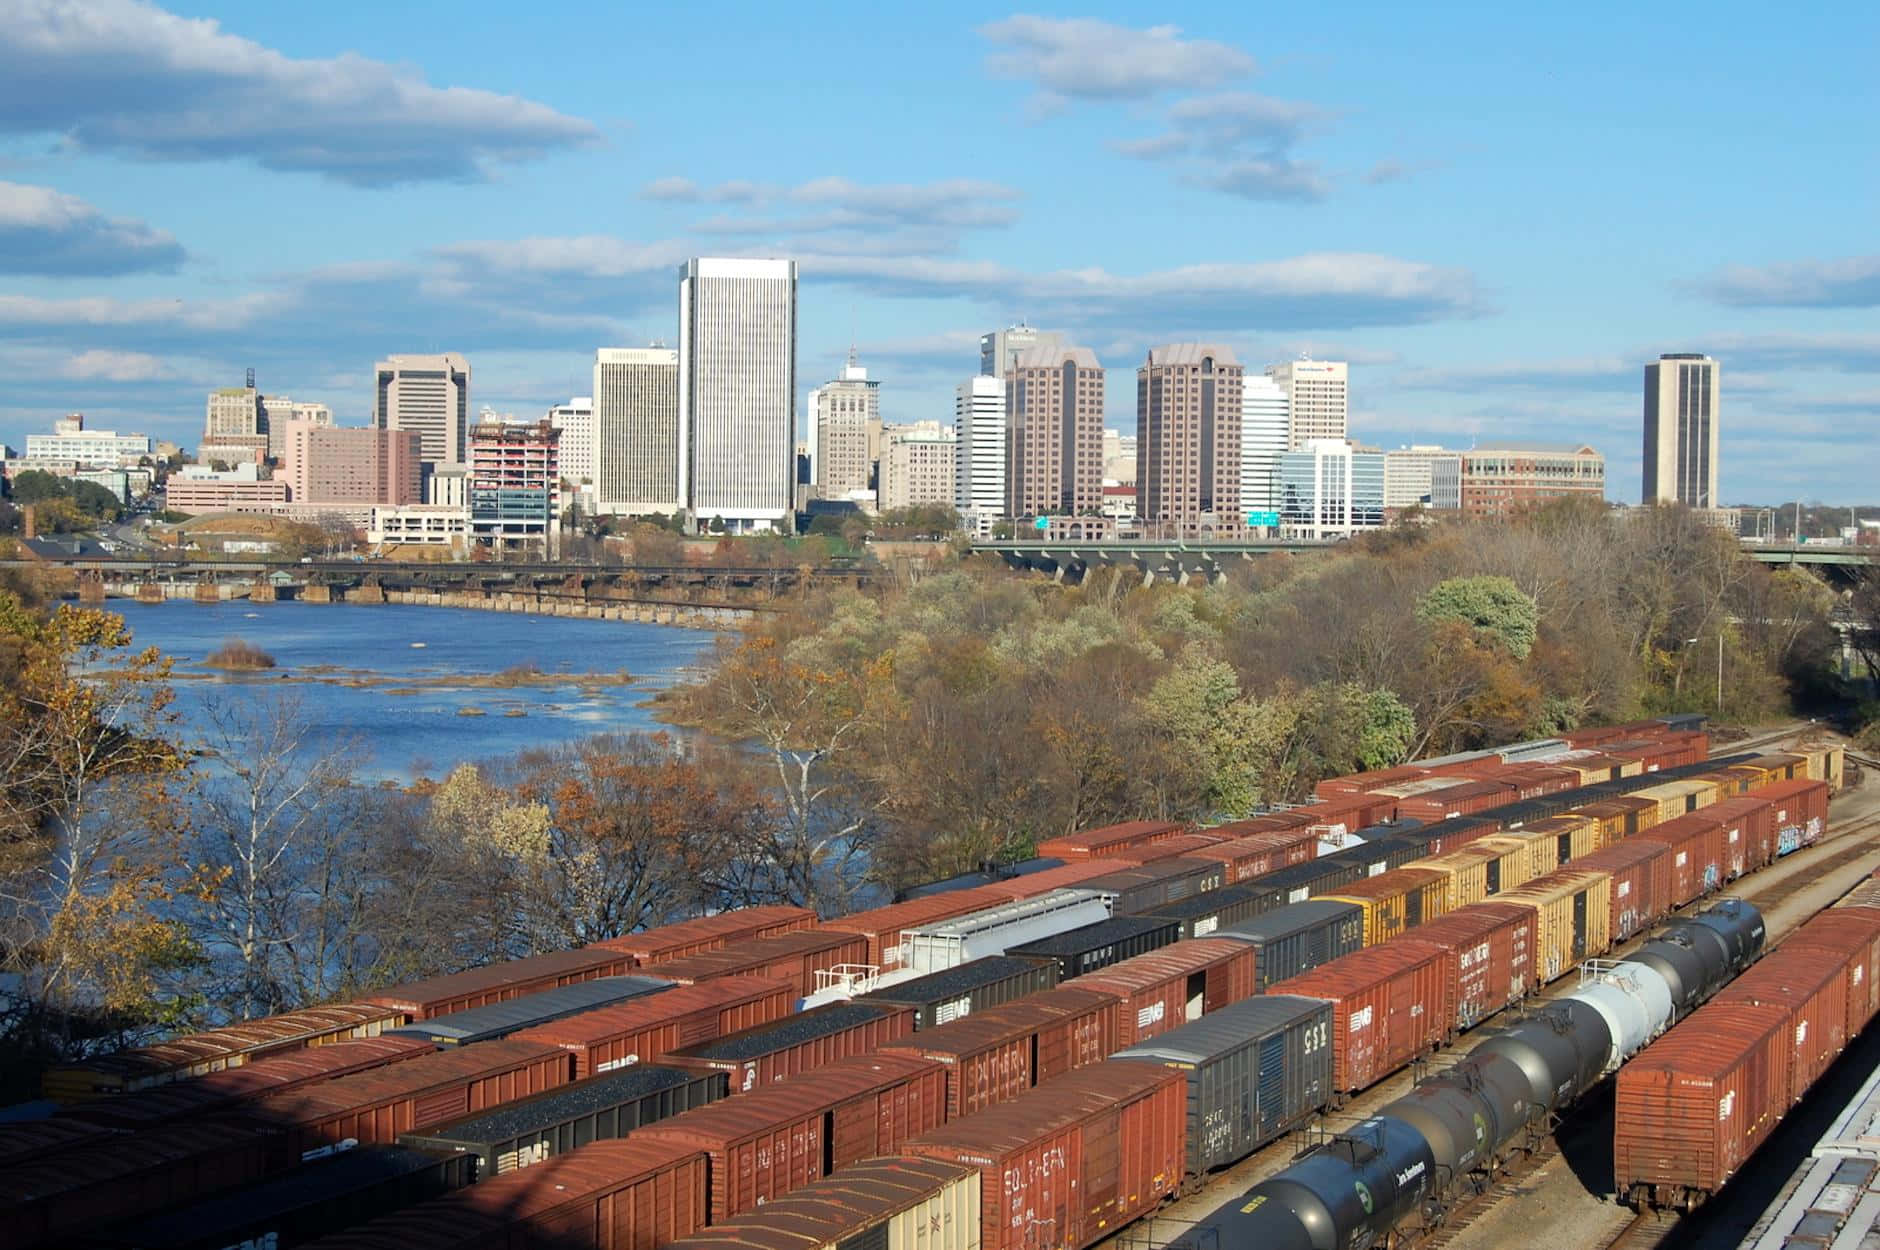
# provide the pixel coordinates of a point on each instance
(1069, 1164)
(642, 1029)
(375, 1107)
(622, 1194)
(1641, 883)
(995, 1056)
(1387, 1008)
(710, 933)
(1339, 818)
(882, 926)
(49, 1201)
(1749, 832)
(200, 1053)
(1814, 993)
(495, 983)
(1697, 854)
(1256, 854)
(1462, 800)
(802, 1043)
(1396, 901)
(1165, 989)
(886, 1204)
(1168, 848)
(1800, 817)
(1488, 959)
(1097, 843)
(1698, 1102)
(230, 1087)
(1063, 877)
(1852, 935)
(792, 957)
(1361, 783)
(765, 1144)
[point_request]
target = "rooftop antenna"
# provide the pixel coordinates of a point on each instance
(251, 379)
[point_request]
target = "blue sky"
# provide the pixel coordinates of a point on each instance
(1496, 215)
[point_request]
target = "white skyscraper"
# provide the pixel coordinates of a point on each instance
(979, 446)
(999, 351)
(429, 394)
(575, 420)
(737, 391)
(1265, 427)
(1317, 402)
(1682, 401)
(638, 438)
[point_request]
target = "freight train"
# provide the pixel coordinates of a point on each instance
(1407, 1161)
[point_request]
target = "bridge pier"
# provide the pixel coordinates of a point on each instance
(262, 591)
(1148, 578)
(367, 592)
(318, 592)
(149, 592)
(90, 589)
(208, 592)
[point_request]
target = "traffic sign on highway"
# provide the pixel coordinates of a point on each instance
(1263, 518)
(1043, 523)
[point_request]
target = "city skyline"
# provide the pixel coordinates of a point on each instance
(1340, 187)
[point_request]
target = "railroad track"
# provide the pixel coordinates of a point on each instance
(1859, 841)
(1508, 1184)
(1644, 1231)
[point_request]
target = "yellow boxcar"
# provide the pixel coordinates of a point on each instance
(1542, 850)
(1782, 765)
(1610, 816)
(1825, 763)
(1514, 860)
(1741, 779)
(1570, 836)
(1400, 899)
(1469, 870)
(1679, 798)
(1573, 918)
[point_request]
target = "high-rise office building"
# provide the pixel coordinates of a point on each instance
(737, 391)
(1054, 433)
(1000, 350)
(846, 438)
(639, 441)
(233, 412)
(278, 410)
(324, 464)
(979, 447)
(1317, 403)
(1188, 398)
(1265, 431)
(575, 420)
(916, 465)
(515, 485)
(1407, 473)
(1327, 490)
(429, 394)
(1681, 420)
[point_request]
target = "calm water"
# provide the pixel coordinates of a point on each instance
(420, 728)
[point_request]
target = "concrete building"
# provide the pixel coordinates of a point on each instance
(1119, 457)
(515, 486)
(233, 411)
(845, 439)
(1318, 405)
(420, 525)
(1000, 350)
(979, 447)
(575, 420)
(638, 438)
(737, 392)
(197, 488)
(1265, 433)
(429, 394)
(1407, 474)
(916, 465)
(1327, 490)
(1054, 432)
(278, 410)
(326, 464)
(447, 485)
(1507, 477)
(1682, 406)
(72, 441)
(1188, 398)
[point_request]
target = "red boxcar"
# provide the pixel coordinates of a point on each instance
(1487, 959)
(792, 957)
(1749, 832)
(1259, 853)
(1641, 883)
(996, 1055)
(1387, 1008)
(1165, 989)
(1851, 935)
(1462, 800)
(1697, 853)
(1364, 783)
(495, 983)
(710, 933)
(1813, 991)
(1167, 848)
(621, 1194)
(642, 1029)
(1696, 1103)
(1335, 820)
(1069, 1164)
(375, 1107)
(802, 1043)
(1063, 877)
(1800, 817)
(765, 1144)
(883, 925)
(1098, 843)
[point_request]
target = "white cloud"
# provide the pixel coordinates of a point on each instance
(110, 366)
(47, 232)
(1087, 58)
(127, 77)
(1848, 282)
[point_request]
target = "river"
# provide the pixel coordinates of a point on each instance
(371, 674)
